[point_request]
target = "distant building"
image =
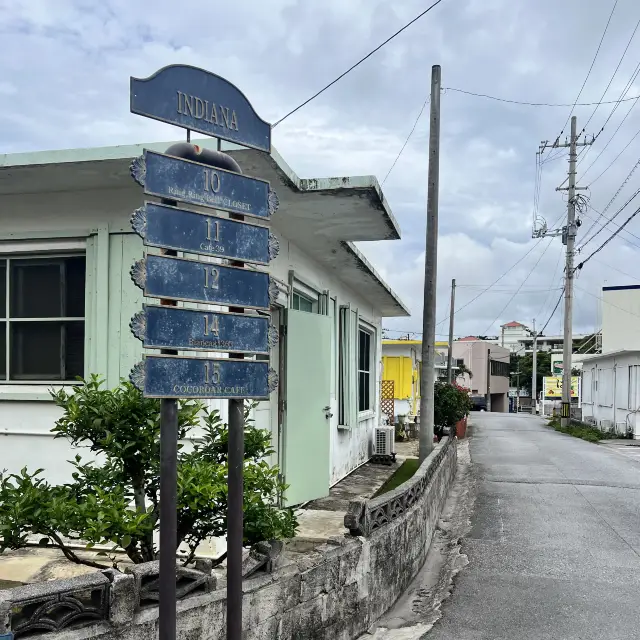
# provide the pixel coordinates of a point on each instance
(487, 362)
(401, 364)
(511, 335)
(620, 318)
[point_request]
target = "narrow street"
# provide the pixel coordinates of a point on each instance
(554, 550)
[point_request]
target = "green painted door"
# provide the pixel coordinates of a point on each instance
(308, 388)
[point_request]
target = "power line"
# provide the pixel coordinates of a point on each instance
(351, 68)
(615, 224)
(606, 145)
(553, 277)
(593, 295)
(518, 290)
(604, 33)
(515, 264)
(536, 104)
(615, 71)
(553, 312)
(609, 239)
(618, 270)
(626, 204)
(415, 124)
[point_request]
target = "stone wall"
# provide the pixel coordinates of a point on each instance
(333, 591)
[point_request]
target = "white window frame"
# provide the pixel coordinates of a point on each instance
(33, 250)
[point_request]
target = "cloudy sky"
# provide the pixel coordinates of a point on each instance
(64, 82)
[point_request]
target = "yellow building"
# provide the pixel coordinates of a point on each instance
(401, 364)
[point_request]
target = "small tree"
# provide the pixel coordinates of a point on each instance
(116, 502)
(463, 370)
(451, 404)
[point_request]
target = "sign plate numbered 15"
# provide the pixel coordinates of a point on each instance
(184, 377)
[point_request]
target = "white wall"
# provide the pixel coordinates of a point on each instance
(37, 215)
(611, 392)
(620, 326)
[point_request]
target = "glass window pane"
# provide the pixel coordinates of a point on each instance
(35, 351)
(306, 305)
(74, 349)
(3, 288)
(36, 289)
(295, 303)
(363, 391)
(75, 273)
(3, 351)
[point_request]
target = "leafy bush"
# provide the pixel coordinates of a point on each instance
(117, 502)
(452, 403)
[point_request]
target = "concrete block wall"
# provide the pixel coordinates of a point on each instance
(335, 591)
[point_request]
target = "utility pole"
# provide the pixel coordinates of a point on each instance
(568, 234)
(488, 380)
(450, 349)
(427, 379)
(534, 371)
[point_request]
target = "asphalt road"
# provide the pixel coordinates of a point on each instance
(554, 548)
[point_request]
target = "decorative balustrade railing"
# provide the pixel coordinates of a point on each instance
(364, 515)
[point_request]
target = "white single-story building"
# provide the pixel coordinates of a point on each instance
(611, 391)
(66, 300)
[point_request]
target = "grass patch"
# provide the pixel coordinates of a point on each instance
(401, 475)
(578, 430)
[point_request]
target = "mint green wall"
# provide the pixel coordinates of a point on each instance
(111, 300)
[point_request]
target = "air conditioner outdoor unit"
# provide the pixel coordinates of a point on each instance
(384, 439)
(605, 425)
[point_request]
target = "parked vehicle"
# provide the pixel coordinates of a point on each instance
(479, 403)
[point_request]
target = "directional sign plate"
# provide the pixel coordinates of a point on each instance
(196, 183)
(193, 281)
(201, 101)
(173, 228)
(179, 377)
(196, 330)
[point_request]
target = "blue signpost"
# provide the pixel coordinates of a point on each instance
(161, 327)
(194, 281)
(202, 101)
(189, 377)
(183, 230)
(196, 183)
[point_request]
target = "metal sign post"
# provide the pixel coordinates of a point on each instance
(190, 175)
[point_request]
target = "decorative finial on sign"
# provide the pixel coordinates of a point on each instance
(274, 203)
(273, 336)
(272, 380)
(274, 246)
(138, 169)
(274, 290)
(139, 220)
(137, 376)
(139, 273)
(138, 325)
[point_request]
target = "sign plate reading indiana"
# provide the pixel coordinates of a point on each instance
(202, 101)
(200, 330)
(180, 377)
(172, 228)
(195, 281)
(201, 184)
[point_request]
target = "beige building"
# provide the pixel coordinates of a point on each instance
(487, 362)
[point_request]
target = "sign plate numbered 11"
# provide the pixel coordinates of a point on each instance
(172, 228)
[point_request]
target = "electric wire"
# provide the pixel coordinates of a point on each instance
(415, 124)
(525, 279)
(604, 33)
(608, 240)
(352, 67)
(552, 313)
(619, 154)
(615, 224)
